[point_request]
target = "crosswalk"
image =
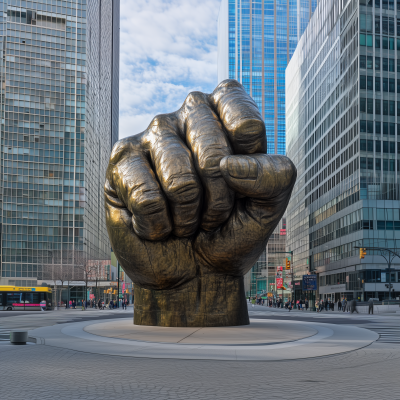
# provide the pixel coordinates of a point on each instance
(4, 335)
(387, 333)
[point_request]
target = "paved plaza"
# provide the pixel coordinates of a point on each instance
(41, 371)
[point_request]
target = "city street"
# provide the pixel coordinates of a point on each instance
(39, 371)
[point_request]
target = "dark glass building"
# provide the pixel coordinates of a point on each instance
(59, 106)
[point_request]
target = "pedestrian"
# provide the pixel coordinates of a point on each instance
(332, 306)
(370, 306)
(339, 304)
(83, 305)
(354, 306)
(306, 304)
(253, 302)
(99, 304)
(289, 306)
(344, 304)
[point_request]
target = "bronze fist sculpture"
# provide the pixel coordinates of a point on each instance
(190, 205)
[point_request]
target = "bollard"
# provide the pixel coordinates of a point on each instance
(18, 337)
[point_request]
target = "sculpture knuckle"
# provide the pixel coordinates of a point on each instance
(151, 203)
(185, 189)
(195, 98)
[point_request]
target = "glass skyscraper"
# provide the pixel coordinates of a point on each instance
(59, 120)
(343, 134)
(256, 39)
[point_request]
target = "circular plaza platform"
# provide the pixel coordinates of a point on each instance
(262, 340)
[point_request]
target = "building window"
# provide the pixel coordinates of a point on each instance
(363, 105)
(392, 108)
(385, 84)
(377, 63)
(363, 62)
(363, 162)
(370, 126)
(370, 106)
(377, 106)
(392, 85)
(385, 165)
(370, 62)
(363, 82)
(385, 107)
(370, 83)
(385, 128)
(377, 84)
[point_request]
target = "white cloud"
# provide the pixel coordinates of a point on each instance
(168, 49)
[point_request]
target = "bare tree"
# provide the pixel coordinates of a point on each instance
(55, 270)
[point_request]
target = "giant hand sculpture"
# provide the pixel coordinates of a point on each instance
(190, 205)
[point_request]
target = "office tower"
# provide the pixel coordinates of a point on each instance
(256, 39)
(343, 135)
(59, 101)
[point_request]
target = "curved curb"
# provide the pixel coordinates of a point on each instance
(330, 339)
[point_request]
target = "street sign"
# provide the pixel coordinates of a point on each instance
(309, 282)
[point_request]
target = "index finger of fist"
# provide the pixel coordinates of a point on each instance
(240, 116)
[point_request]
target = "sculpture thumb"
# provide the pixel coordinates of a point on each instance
(260, 176)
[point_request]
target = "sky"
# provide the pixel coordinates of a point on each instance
(168, 49)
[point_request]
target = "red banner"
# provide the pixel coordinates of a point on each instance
(279, 283)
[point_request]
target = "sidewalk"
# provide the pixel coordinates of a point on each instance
(360, 309)
(129, 308)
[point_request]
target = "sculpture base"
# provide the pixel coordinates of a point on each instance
(208, 300)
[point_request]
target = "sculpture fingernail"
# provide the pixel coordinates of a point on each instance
(242, 167)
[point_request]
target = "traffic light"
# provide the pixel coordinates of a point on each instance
(287, 263)
(363, 252)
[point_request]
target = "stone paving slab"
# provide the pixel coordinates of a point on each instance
(234, 335)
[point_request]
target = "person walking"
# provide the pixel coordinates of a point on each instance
(83, 305)
(370, 306)
(339, 304)
(354, 306)
(99, 304)
(306, 304)
(344, 304)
